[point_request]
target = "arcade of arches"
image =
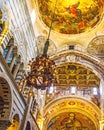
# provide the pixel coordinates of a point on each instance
(76, 44)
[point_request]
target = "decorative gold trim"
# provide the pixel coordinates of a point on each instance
(4, 32)
(72, 104)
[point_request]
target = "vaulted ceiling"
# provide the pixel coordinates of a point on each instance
(75, 21)
(74, 74)
(71, 17)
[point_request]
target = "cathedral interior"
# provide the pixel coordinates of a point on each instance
(51, 65)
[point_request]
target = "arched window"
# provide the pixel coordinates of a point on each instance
(95, 91)
(10, 58)
(5, 52)
(73, 89)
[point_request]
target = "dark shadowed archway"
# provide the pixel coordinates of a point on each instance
(5, 99)
(28, 127)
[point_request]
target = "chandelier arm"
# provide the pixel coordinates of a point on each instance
(46, 46)
(39, 80)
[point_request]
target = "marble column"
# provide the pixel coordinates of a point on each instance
(102, 104)
(13, 61)
(19, 76)
(26, 112)
(9, 52)
(16, 70)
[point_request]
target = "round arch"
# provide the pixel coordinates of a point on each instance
(84, 59)
(71, 104)
(78, 57)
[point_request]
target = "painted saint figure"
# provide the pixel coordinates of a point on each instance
(72, 123)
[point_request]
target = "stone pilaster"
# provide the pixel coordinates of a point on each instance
(101, 122)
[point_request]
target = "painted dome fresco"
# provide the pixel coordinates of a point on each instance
(71, 16)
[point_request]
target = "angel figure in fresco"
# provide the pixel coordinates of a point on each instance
(74, 10)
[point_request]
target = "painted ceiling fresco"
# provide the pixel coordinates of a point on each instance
(71, 16)
(71, 121)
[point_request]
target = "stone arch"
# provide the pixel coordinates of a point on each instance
(72, 104)
(82, 58)
(5, 99)
(28, 126)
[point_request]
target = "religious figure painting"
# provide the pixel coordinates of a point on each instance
(71, 121)
(71, 17)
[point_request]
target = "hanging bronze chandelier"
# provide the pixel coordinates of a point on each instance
(41, 73)
(42, 69)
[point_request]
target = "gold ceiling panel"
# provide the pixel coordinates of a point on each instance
(74, 74)
(71, 16)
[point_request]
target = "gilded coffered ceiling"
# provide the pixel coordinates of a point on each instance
(74, 74)
(71, 17)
